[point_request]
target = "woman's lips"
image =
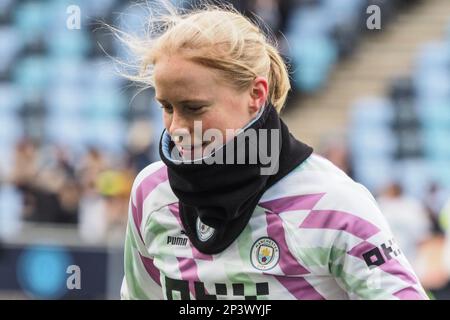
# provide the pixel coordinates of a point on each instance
(185, 150)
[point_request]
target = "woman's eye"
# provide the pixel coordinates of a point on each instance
(166, 108)
(195, 109)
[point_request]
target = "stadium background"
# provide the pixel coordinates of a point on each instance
(73, 134)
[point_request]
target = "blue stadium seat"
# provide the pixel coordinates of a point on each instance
(7, 5)
(65, 131)
(105, 134)
(103, 72)
(402, 90)
(32, 72)
(435, 114)
(344, 11)
(66, 101)
(410, 143)
(432, 85)
(447, 33)
(11, 99)
(11, 129)
(98, 8)
(372, 112)
(69, 72)
(32, 19)
(131, 20)
(105, 103)
(437, 146)
(372, 142)
(60, 13)
(11, 45)
(433, 55)
(414, 175)
(313, 59)
(68, 43)
(440, 172)
(374, 173)
(310, 22)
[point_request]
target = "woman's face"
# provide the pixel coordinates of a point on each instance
(190, 92)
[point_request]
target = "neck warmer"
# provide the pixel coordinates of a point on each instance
(216, 200)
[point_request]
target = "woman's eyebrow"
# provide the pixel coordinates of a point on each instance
(193, 101)
(185, 101)
(161, 100)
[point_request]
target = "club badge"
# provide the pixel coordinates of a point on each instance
(265, 254)
(204, 232)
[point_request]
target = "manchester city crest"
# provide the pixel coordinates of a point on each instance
(204, 232)
(265, 254)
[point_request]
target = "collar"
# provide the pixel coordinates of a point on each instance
(216, 200)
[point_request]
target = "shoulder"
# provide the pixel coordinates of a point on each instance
(151, 185)
(327, 197)
(315, 175)
(154, 172)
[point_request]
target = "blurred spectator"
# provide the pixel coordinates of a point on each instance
(445, 225)
(104, 214)
(408, 220)
(92, 217)
(91, 164)
(47, 183)
(56, 187)
(92, 221)
(435, 258)
(25, 163)
(336, 150)
(434, 201)
(115, 188)
(104, 200)
(140, 144)
(444, 217)
(10, 210)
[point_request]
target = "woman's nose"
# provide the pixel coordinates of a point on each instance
(179, 129)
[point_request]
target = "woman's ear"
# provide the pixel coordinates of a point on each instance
(258, 94)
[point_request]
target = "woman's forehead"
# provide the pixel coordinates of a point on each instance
(177, 77)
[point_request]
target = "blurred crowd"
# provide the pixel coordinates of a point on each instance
(90, 190)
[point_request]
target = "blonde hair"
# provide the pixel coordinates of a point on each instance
(216, 36)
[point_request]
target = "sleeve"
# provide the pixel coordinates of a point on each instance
(142, 278)
(371, 265)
